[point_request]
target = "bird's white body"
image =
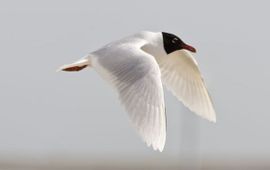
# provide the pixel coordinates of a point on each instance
(137, 66)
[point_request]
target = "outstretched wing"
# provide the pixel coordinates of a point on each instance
(181, 75)
(137, 79)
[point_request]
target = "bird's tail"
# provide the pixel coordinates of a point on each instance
(76, 66)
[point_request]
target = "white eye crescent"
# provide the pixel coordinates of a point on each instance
(174, 40)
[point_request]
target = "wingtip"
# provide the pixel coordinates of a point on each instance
(211, 119)
(214, 117)
(160, 149)
(157, 148)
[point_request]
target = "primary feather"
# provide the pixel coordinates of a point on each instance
(136, 77)
(181, 75)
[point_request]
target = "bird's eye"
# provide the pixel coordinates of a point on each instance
(174, 40)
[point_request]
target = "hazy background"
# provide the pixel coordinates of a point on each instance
(44, 113)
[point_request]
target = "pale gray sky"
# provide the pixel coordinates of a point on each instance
(43, 112)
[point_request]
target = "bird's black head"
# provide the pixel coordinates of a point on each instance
(173, 43)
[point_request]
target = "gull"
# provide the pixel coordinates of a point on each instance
(137, 67)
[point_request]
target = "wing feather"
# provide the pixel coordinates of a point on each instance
(181, 75)
(137, 78)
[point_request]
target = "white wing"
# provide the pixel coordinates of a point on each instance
(181, 75)
(136, 76)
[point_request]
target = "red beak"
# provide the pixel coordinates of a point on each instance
(189, 48)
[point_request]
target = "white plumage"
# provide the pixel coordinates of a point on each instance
(136, 66)
(181, 75)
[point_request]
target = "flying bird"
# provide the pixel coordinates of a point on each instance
(137, 67)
